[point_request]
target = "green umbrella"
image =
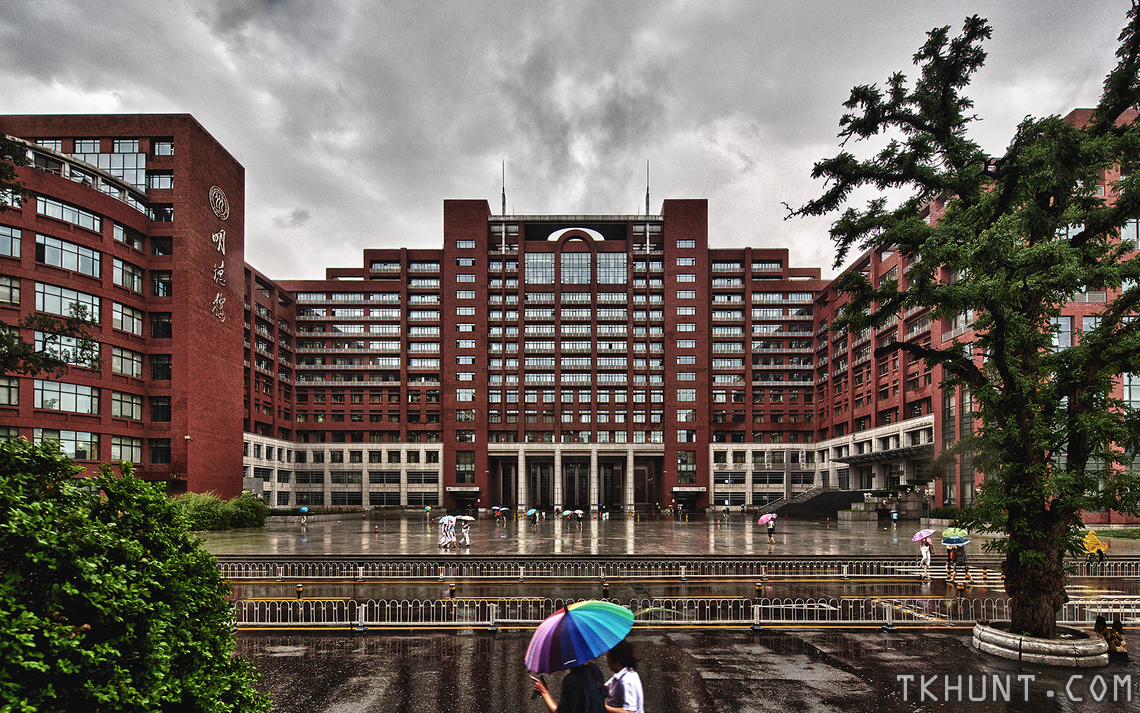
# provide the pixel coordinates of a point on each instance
(954, 532)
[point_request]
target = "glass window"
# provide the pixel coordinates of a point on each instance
(58, 396)
(9, 241)
(611, 269)
(160, 450)
(160, 409)
(160, 367)
(125, 405)
(79, 445)
(127, 275)
(576, 268)
(539, 268)
(69, 256)
(161, 325)
(71, 214)
(9, 290)
(127, 319)
(162, 283)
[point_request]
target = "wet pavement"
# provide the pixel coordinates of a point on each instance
(788, 671)
(700, 535)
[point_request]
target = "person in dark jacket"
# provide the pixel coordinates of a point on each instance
(581, 691)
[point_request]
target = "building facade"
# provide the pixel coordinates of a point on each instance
(556, 361)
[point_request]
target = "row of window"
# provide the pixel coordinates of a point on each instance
(79, 398)
(84, 445)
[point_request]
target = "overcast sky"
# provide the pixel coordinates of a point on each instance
(356, 119)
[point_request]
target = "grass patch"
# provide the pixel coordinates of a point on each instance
(1130, 533)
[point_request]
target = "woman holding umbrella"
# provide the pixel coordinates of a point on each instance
(568, 639)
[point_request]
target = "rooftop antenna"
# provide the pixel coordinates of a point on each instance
(504, 187)
(646, 188)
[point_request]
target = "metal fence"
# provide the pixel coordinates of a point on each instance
(655, 568)
(666, 612)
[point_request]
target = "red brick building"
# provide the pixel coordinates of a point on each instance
(532, 361)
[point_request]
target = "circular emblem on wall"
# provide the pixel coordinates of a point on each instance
(218, 203)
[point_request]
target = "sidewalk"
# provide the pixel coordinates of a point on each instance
(686, 670)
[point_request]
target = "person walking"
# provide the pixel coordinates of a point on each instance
(772, 531)
(624, 691)
(925, 549)
(581, 691)
(961, 564)
(465, 539)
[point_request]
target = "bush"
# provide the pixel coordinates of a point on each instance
(203, 511)
(947, 513)
(247, 510)
(206, 511)
(108, 604)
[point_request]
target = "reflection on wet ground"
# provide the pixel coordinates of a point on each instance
(701, 535)
(685, 670)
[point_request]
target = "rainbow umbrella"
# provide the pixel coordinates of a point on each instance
(577, 633)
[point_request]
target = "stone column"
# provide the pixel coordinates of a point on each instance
(557, 485)
(521, 479)
(629, 480)
(595, 495)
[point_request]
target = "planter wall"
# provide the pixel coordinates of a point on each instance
(1081, 651)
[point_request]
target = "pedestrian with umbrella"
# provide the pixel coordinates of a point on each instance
(533, 515)
(955, 541)
(568, 640)
(924, 549)
(769, 519)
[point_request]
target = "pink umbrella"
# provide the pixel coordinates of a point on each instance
(921, 535)
(766, 518)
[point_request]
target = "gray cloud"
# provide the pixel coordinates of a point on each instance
(371, 114)
(297, 218)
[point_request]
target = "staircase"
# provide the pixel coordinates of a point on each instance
(815, 504)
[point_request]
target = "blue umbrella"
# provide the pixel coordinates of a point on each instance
(304, 509)
(531, 512)
(955, 541)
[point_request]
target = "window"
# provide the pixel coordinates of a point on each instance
(464, 277)
(161, 326)
(575, 268)
(686, 394)
(160, 367)
(611, 269)
(686, 244)
(9, 241)
(465, 394)
(57, 396)
(686, 277)
(69, 256)
(77, 444)
(686, 294)
(465, 244)
(539, 268)
(127, 275)
(160, 409)
(127, 319)
(126, 406)
(160, 450)
(71, 214)
(161, 283)
(126, 362)
(126, 448)
(9, 290)
(9, 391)
(162, 147)
(162, 180)
(60, 301)
(132, 238)
(465, 467)
(465, 294)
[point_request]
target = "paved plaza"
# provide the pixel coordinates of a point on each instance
(797, 668)
(700, 534)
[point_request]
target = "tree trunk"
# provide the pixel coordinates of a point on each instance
(1037, 588)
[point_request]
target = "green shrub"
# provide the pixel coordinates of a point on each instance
(247, 510)
(203, 511)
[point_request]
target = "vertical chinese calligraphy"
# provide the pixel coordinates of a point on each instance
(218, 308)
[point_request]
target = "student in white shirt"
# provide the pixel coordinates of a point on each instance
(625, 694)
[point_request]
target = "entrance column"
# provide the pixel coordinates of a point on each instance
(558, 485)
(629, 480)
(520, 482)
(595, 498)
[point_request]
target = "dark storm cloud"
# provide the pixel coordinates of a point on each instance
(356, 119)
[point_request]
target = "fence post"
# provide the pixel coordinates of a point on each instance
(360, 574)
(890, 625)
(683, 577)
(441, 573)
(521, 567)
(360, 627)
(763, 573)
(845, 578)
(756, 618)
(280, 573)
(491, 624)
